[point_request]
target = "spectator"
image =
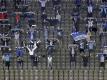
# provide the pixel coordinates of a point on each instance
(90, 10)
(19, 52)
(5, 41)
(81, 46)
(88, 36)
(17, 18)
(85, 60)
(20, 61)
(6, 59)
(73, 55)
(58, 16)
(43, 5)
(102, 61)
(76, 18)
(60, 33)
(103, 11)
(91, 45)
(16, 38)
(50, 48)
(90, 24)
(49, 62)
(16, 3)
(51, 45)
(31, 53)
(32, 34)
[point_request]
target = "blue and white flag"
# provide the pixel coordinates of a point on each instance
(78, 36)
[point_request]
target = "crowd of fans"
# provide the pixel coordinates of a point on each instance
(21, 40)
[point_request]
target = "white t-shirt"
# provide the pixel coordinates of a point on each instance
(90, 9)
(16, 36)
(73, 52)
(43, 2)
(90, 24)
(49, 59)
(102, 58)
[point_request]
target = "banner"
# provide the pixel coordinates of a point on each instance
(78, 36)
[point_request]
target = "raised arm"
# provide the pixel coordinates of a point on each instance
(28, 48)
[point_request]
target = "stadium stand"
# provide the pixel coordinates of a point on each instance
(53, 40)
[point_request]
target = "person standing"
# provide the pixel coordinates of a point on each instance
(85, 60)
(43, 5)
(102, 61)
(49, 61)
(16, 38)
(90, 10)
(6, 59)
(31, 53)
(72, 56)
(81, 47)
(19, 55)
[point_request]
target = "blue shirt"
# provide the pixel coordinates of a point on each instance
(19, 52)
(32, 35)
